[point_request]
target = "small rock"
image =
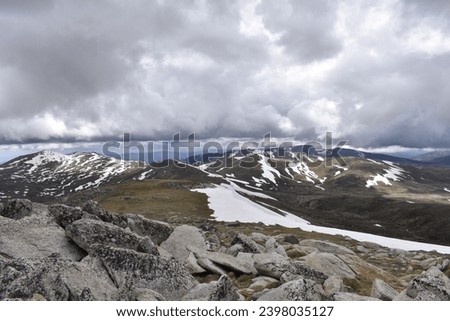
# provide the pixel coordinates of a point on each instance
(193, 266)
(259, 237)
(371, 245)
(426, 264)
(445, 264)
(272, 246)
(17, 209)
(235, 249)
(263, 282)
(297, 290)
(383, 291)
(402, 296)
(334, 284)
(221, 290)
(288, 238)
(208, 265)
(361, 249)
(247, 243)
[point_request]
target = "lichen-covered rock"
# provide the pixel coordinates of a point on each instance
(248, 245)
(166, 276)
(35, 237)
(309, 273)
(65, 215)
(17, 209)
(430, 285)
(157, 231)
(383, 291)
(24, 278)
(221, 290)
(297, 290)
(55, 279)
(86, 233)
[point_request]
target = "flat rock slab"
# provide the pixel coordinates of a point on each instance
(231, 262)
(35, 237)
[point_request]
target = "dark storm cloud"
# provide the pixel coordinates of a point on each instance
(372, 72)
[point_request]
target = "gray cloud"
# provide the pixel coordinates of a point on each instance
(372, 72)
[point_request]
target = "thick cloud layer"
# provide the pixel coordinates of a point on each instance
(373, 72)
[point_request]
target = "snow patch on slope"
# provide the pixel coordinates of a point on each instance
(393, 173)
(268, 171)
(230, 206)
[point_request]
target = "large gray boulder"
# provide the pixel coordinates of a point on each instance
(17, 209)
(87, 232)
(297, 290)
(326, 247)
(35, 236)
(383, 291)
(166, 276)
(431, 285)
(157, 231)
(231, 262)
(328, 264)
(272, 264)
(182, 238)
(221, 290)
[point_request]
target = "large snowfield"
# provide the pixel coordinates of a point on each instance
(230, 206)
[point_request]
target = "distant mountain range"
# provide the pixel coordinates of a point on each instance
(371, 193)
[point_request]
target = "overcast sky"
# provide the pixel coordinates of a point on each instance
(374, 72)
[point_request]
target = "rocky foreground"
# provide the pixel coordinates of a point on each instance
(59, 252)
